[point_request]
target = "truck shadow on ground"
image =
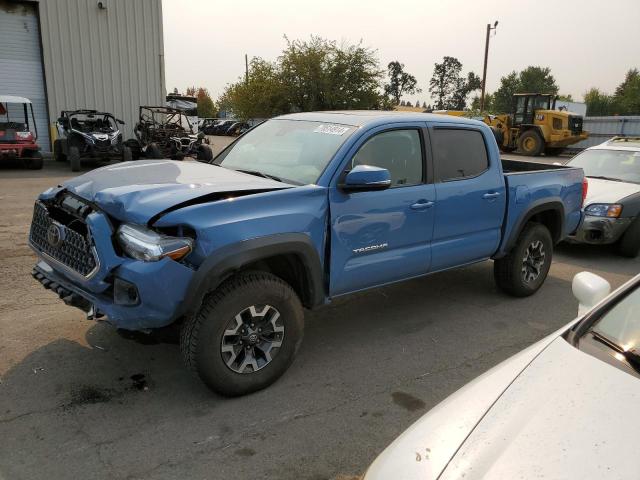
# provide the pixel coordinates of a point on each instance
(378, 360)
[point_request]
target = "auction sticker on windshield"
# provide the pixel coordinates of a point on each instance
(332, 129)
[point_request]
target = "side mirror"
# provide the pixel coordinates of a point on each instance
(364, 178)
(120, 121)
(589, 289)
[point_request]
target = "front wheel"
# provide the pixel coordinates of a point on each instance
(245, 335)
(523, 271)
(205, 154)
(531, 143)
(153, 151)
(33, 160)
(58, 151)
(126, 154)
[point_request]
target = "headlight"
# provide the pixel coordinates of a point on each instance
(145, 244)
(604, 210)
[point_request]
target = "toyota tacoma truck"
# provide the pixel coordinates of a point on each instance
(302, 209)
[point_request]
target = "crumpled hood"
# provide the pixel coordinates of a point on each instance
(141, 190)
(568, 415)
(608, 191)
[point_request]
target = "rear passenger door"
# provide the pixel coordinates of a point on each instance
(470, 195)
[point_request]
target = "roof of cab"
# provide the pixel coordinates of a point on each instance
(13, 99)
(631, 143)
(360, 118)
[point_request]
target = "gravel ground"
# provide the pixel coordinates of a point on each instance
(79, 401)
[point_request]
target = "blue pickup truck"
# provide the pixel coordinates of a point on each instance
(299, 210)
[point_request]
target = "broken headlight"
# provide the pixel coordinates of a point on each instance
(148, 245)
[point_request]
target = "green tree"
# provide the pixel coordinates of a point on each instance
(537, 80)
(448, 87)
(206, 107)
(308, 75)
(400, 82)
(503, 96)
(565, 98)
(530, 80)
(627, 95)
(599, 103)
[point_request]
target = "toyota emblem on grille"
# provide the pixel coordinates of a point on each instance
(55, 235)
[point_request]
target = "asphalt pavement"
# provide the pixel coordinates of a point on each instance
(79, 401)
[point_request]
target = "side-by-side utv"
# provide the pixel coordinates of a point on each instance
(164, 132)
(89, 135)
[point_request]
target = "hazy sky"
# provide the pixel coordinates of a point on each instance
(586, 43)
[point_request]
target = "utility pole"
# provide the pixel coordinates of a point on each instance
(486, 56)
(246, 69)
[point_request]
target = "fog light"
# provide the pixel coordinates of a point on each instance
(125, 293)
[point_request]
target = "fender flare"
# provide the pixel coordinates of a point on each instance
(535, 208)
(229, 259)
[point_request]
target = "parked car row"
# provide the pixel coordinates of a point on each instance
(216, 126)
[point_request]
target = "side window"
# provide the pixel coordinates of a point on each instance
(399, 151)
(458, 153)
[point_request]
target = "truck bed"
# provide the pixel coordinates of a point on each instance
(531, 183)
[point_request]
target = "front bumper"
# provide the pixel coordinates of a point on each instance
(161, 286)
(600, 230)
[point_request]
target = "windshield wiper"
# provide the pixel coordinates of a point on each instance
(602, 177)
(632, 356)
(259, 174)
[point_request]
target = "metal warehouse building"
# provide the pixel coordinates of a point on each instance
(71, 54)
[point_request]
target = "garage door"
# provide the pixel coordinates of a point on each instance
(21, 61)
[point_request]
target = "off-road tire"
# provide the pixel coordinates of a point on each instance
(33, 161)
(202, 334)
(629, 244)
(58, 151)
(126, 154)
(74, 159)
(205, 154)
(508, 271)
(134, 146)
(153, 151)
(530, 143)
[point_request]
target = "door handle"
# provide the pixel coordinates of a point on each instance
(489, 196)
(422, 205)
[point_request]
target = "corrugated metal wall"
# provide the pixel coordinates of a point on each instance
(106, 59)
(603, 128)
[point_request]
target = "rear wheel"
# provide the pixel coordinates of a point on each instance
(245, 335)
(134, 146)
(153, 151)
(531, 143)
(74, 159)
(205, 154)
(629, 244)
(33, 160)
(58, 151)
(523, 271)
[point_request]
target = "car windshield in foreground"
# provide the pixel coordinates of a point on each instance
(620, 165)
(618, 330)
(292, 150)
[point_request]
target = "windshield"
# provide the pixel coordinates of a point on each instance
(621, 324)
(292, 150)
(615, 164)
(89, 122)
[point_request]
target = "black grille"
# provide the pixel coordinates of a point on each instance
(575, 124)
(103, 145)
(73, 250)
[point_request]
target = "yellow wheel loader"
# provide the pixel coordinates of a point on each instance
(534, 126)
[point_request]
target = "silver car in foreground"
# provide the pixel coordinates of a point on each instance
(566, 407)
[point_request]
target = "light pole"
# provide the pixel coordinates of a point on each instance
(486, 56)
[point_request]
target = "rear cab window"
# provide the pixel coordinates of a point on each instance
(458, 153)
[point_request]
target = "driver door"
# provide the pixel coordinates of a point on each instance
(379, 237)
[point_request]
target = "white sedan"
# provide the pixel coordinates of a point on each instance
(566, 407)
